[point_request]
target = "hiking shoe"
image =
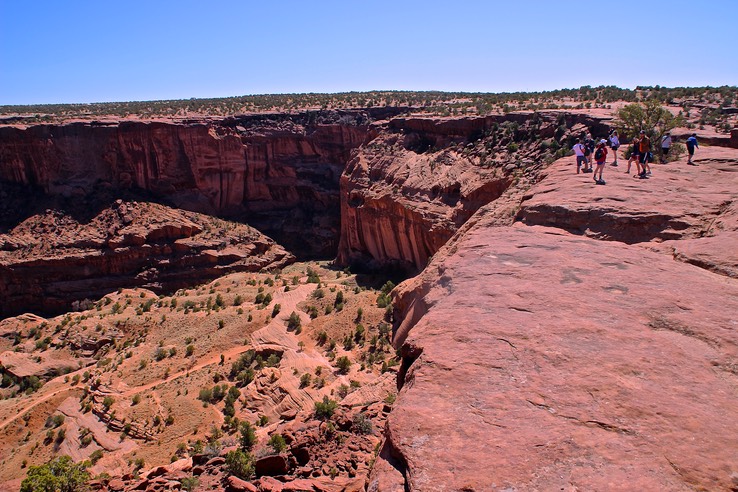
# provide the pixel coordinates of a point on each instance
(614, 164)
(600, 181)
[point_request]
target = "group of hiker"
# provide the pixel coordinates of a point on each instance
(587, 149)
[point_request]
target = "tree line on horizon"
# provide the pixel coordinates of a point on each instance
(713, 99)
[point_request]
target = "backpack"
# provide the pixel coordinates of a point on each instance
(599, 154)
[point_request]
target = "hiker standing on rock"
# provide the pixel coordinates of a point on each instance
(644, 149)
(665, 146)
(579, 150)
(691, 145)
(600, 156)
(634, 156)
(615, 145)
(589, 144)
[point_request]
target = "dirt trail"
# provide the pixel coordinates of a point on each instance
(46, 397)
(277, 335)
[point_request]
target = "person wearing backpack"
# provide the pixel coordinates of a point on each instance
(665, 146)
(600, 156)
(634, 156)
(691, 145)
(644, 149)
(589, 144)
(615, 145)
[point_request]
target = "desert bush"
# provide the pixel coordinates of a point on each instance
(325, 409)
(343, 363)
(277, 443)
(248, 436)
(240, 464)
(60, 474)
(293, 322)
(362, 424)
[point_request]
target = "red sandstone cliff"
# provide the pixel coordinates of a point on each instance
(417, 180)
(277, 172)
(538, 359)
(50, 261)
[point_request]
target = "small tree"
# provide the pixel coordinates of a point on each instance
(60, 474)
(343, 363)
(240, 464)
(277, 443)
(325, 409)
(293, 323)
(248, 436)
(649, 116)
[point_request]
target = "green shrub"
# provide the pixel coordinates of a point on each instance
(343, 363)
(277, 443)
(190, 483)
(248, 436)
(293, 322)
(276, 309)
(240, 464)
(325, 409)
(60, 474)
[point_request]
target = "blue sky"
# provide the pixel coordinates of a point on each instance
(68, 51)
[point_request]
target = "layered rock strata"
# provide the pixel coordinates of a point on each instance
(51, 261)
(278, 172)
(417, 180)
(539, 359)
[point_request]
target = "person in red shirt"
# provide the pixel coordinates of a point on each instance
(644, 149)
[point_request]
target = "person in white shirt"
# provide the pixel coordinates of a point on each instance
(579, 151)
(665, 146)
(615, 145)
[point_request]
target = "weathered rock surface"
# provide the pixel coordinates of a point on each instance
(410, 188)
(537, 359)
(686, 210)
(50, 261)
(277, 172)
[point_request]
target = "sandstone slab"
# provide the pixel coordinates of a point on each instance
(539, 360)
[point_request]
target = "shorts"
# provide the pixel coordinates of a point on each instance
(665, 150)
(690, 149)
(600, 163)
(644, 158)
(615, 147)
(581, 159)
(635, 155)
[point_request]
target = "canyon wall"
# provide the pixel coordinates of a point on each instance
(588, 344)
(277, 172)
(417, 180)
(50, 263)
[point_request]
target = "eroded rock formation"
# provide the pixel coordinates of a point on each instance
(417, 180)
(50, 261)
(277, 172)
(538, 359)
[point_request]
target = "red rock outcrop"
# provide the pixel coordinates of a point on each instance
(277, 172)
(52, 260)
(417, 180)
(537, 359)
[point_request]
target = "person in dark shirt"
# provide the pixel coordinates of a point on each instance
(691, 145)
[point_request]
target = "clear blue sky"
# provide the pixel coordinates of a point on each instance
(65, 51)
